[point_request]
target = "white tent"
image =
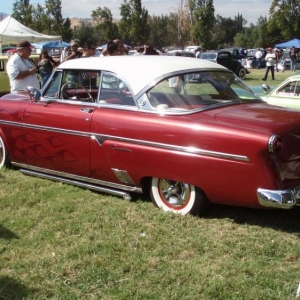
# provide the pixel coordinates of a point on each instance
(12, 31)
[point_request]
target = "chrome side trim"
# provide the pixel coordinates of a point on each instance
(46, 173)
(279, 198)
(46, 128)
(101, 138)
(125, 195)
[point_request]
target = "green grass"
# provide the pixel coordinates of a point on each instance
(63, 242)
(255, 77)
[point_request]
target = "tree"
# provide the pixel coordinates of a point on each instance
(84, 33)
(203, 15)
(55, 19)
(107, 30)
(22, 12)
(133, 26)
(67, 32)
(40, 19)
(161, 34)
(284, 18)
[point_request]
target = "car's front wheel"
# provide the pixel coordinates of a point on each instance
(178, 197)
(4, 160)
(242, 73)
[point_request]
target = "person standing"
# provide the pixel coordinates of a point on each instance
(74, 52)
(88, 49)
(277, 58)
(270, 62)
(293, 57)
(21, 70)
(46, 65)
(258, 56)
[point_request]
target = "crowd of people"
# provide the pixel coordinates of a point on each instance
(275, 60)
(23, 72)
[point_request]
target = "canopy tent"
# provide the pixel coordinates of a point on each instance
(12, 31)
(51, 45)
(289, 44)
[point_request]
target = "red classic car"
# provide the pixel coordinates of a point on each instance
(189, 132)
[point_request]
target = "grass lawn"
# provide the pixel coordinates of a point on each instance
(255, 77)
(63, 242)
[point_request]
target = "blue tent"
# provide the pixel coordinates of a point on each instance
(289, 44)
(51, 45)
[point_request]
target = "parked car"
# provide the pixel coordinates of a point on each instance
(180, 53)
(286, 94)
(8, 48)
(225, 59)
(251, 57)
(238, 53)
(115, 126)
(193, 49)
(5, 85)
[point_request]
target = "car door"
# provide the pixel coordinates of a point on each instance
(110, 126)
(287, 95)
(56, 133)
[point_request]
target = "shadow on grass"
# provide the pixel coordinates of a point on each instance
(10, 289)
(278, 219)
(7, 234)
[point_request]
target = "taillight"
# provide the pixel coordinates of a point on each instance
(274, 144)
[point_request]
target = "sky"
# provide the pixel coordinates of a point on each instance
(251, 10)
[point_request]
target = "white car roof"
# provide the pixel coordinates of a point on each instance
(141, 70)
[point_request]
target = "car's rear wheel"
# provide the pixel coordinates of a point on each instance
(178, 197)
(4, 160)
(242, 73)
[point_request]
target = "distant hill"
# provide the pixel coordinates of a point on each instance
(75, 22)
(3, 16)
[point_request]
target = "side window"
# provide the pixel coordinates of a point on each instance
(80, 85)
(52, 90)
(114, 91)
(291, 89)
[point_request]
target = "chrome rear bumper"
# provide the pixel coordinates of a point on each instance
(279, 199)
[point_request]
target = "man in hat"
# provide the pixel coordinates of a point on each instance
(270, 62)
(21, 70)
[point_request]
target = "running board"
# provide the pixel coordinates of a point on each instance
(126, 196)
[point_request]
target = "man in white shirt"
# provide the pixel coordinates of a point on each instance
(270, 62)
(21, 70)
(258, 55)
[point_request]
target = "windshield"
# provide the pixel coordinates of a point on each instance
(202, 90)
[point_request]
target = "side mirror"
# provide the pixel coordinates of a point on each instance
(265, 87)
(34, 94)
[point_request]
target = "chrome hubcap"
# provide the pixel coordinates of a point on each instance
(174, 193)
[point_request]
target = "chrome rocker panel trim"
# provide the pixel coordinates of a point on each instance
(88, 183)
(285, 199)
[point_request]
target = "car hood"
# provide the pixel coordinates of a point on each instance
(272, 119)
